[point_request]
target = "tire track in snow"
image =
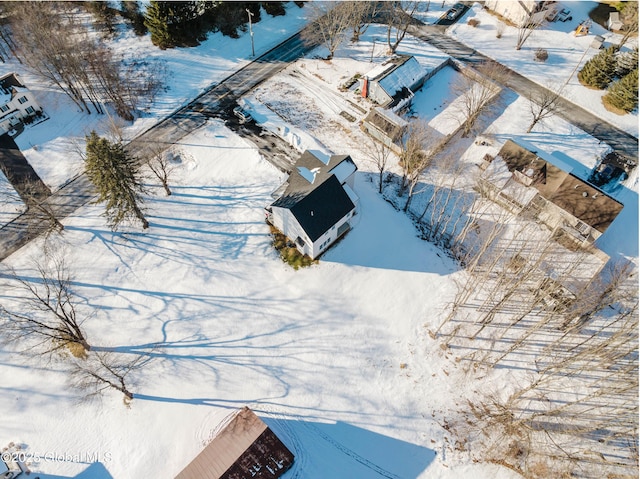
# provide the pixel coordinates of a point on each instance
(352, 454)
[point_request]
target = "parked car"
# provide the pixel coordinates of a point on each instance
(243, 115)
(455, 11)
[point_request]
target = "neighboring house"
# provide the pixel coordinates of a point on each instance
(17, 103)
(244, 448)
(532, 184)
(386, 127)
(10, 469)
(520, 11)
(393, 83)
(317, 202)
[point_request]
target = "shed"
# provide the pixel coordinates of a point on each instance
(393, 81)
(244, 448)
(614, 22)
(385, 126)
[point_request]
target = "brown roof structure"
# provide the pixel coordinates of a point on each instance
(244, 449)
(574, 195)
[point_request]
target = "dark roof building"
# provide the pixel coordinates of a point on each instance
(577, 197)
(314, 193)
(315, 204)
(244, 449)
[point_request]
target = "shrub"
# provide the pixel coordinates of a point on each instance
(474, 22)
(623, 94)
(600, 70)
(541, 55)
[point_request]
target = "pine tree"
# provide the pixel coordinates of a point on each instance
(600, 70)
(174, 24)
(623, 94)
(156, 19)
(274, 8)
(131, 11)
(115, 174)
(626, 62)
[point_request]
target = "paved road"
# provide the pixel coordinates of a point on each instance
(620, 140)
(221, 98)
(19, 172)
(217, 101)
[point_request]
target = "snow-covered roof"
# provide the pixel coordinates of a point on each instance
(343, 170)
(307, 174)
(405, 75)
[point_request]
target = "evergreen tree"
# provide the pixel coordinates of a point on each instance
(232, 16)
(623, 94)
(156, 20)
(115, 175)
(626, 62)
(274, 9)
(130, 10)
(600, 70)
(173, 24)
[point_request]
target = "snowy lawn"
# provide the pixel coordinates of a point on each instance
(53, 147)
(567, 54)
(326, 354)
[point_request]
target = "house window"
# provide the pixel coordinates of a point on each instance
(4, 108)
(30, 110)
(22, 99)
(300, 242)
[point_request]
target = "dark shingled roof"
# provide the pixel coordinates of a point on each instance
(322, 208)
(578, 197)
(8, 81)
(319, 205)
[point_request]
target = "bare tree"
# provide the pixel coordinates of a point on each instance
(544, 103)
(399, 19)
(58, 48)
(329, 25)
(161, 166)
(360, 15)
(420, 145)
(527, 27)
(102, 370)
(379, 154)
(630, 19)
(44, 316)
(475, 91)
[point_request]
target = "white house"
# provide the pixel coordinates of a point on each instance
(393, 82)
(17, 103)
(520, 11)
(317, 203)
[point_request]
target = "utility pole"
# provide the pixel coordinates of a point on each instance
(253, 52)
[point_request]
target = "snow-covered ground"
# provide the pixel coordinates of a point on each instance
(335, 358)
(326, 354)
(567, 54)
(53, 147)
